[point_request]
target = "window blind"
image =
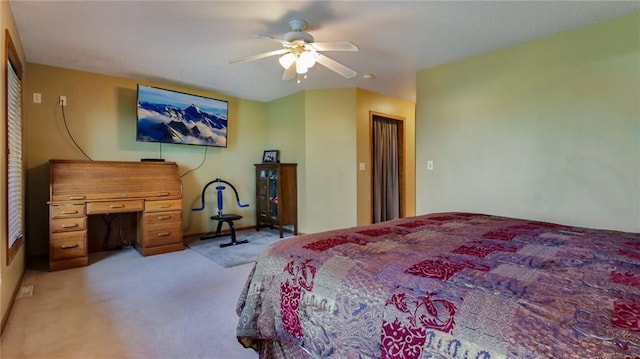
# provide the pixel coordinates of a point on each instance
(14, 157)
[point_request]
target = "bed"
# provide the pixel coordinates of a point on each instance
(446, 285)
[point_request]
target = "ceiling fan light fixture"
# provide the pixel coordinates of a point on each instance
(301, 68)
(299, 49)
(308, 58)
(287, 60)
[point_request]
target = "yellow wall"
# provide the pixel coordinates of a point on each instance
(366, 103)
(330, 157)
(9, 274)
(286, 123)
(286, 119)
(326, 132)
(100, 114)
(548, 130)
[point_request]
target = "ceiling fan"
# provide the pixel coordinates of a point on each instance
(300, 53)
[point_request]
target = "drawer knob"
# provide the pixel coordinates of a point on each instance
(116, 205)
(164, 206)
(69, 225)
(161, 218)
(77, 197)
(164, 234)
(69, 212)
(163, 193)
(70, 246)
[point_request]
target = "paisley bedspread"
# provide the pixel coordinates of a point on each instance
(446, 285)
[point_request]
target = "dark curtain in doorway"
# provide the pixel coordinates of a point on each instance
(386, 181)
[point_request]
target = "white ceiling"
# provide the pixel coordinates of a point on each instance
(190, 43)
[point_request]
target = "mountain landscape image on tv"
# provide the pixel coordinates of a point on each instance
(167, 116)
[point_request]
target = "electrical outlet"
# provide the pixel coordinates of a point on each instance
(37, 97)
(429, 165)
(63, 100)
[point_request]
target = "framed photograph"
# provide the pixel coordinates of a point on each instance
(271, 156)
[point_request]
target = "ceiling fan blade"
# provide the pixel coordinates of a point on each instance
(259, 56)
(334, 65)
(290, 73)
(334, 46)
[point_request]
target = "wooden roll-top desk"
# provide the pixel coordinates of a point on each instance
(82, 188)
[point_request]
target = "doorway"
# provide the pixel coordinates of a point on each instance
(387, 157)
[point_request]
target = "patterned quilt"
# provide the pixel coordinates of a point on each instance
(446, 285)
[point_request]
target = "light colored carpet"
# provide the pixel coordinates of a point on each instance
(238, 254)
(174, 305)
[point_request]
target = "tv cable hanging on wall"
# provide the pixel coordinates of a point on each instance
(62, 104)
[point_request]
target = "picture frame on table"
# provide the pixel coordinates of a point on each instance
(271, 156)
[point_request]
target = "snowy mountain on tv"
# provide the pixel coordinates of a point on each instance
(167, 123)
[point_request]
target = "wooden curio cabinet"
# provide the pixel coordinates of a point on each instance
(277, 196)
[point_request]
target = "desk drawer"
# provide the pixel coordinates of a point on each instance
(115, 206)
(68, 224)
(67, 210)
(166, 205)
(68, 245)
(162, 217)
(161, 234)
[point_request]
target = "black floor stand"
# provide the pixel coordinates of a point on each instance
(228, 219)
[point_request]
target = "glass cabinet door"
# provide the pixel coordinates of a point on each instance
(263, 200)
(276, 196)
(273, 193)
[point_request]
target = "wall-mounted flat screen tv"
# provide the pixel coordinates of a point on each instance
(167, 116)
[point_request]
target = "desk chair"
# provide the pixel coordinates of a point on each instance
(221, 217)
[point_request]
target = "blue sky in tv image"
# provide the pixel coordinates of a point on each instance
(183, 100)
(176, 117)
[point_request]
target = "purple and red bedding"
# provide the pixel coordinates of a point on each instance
(446, 285)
